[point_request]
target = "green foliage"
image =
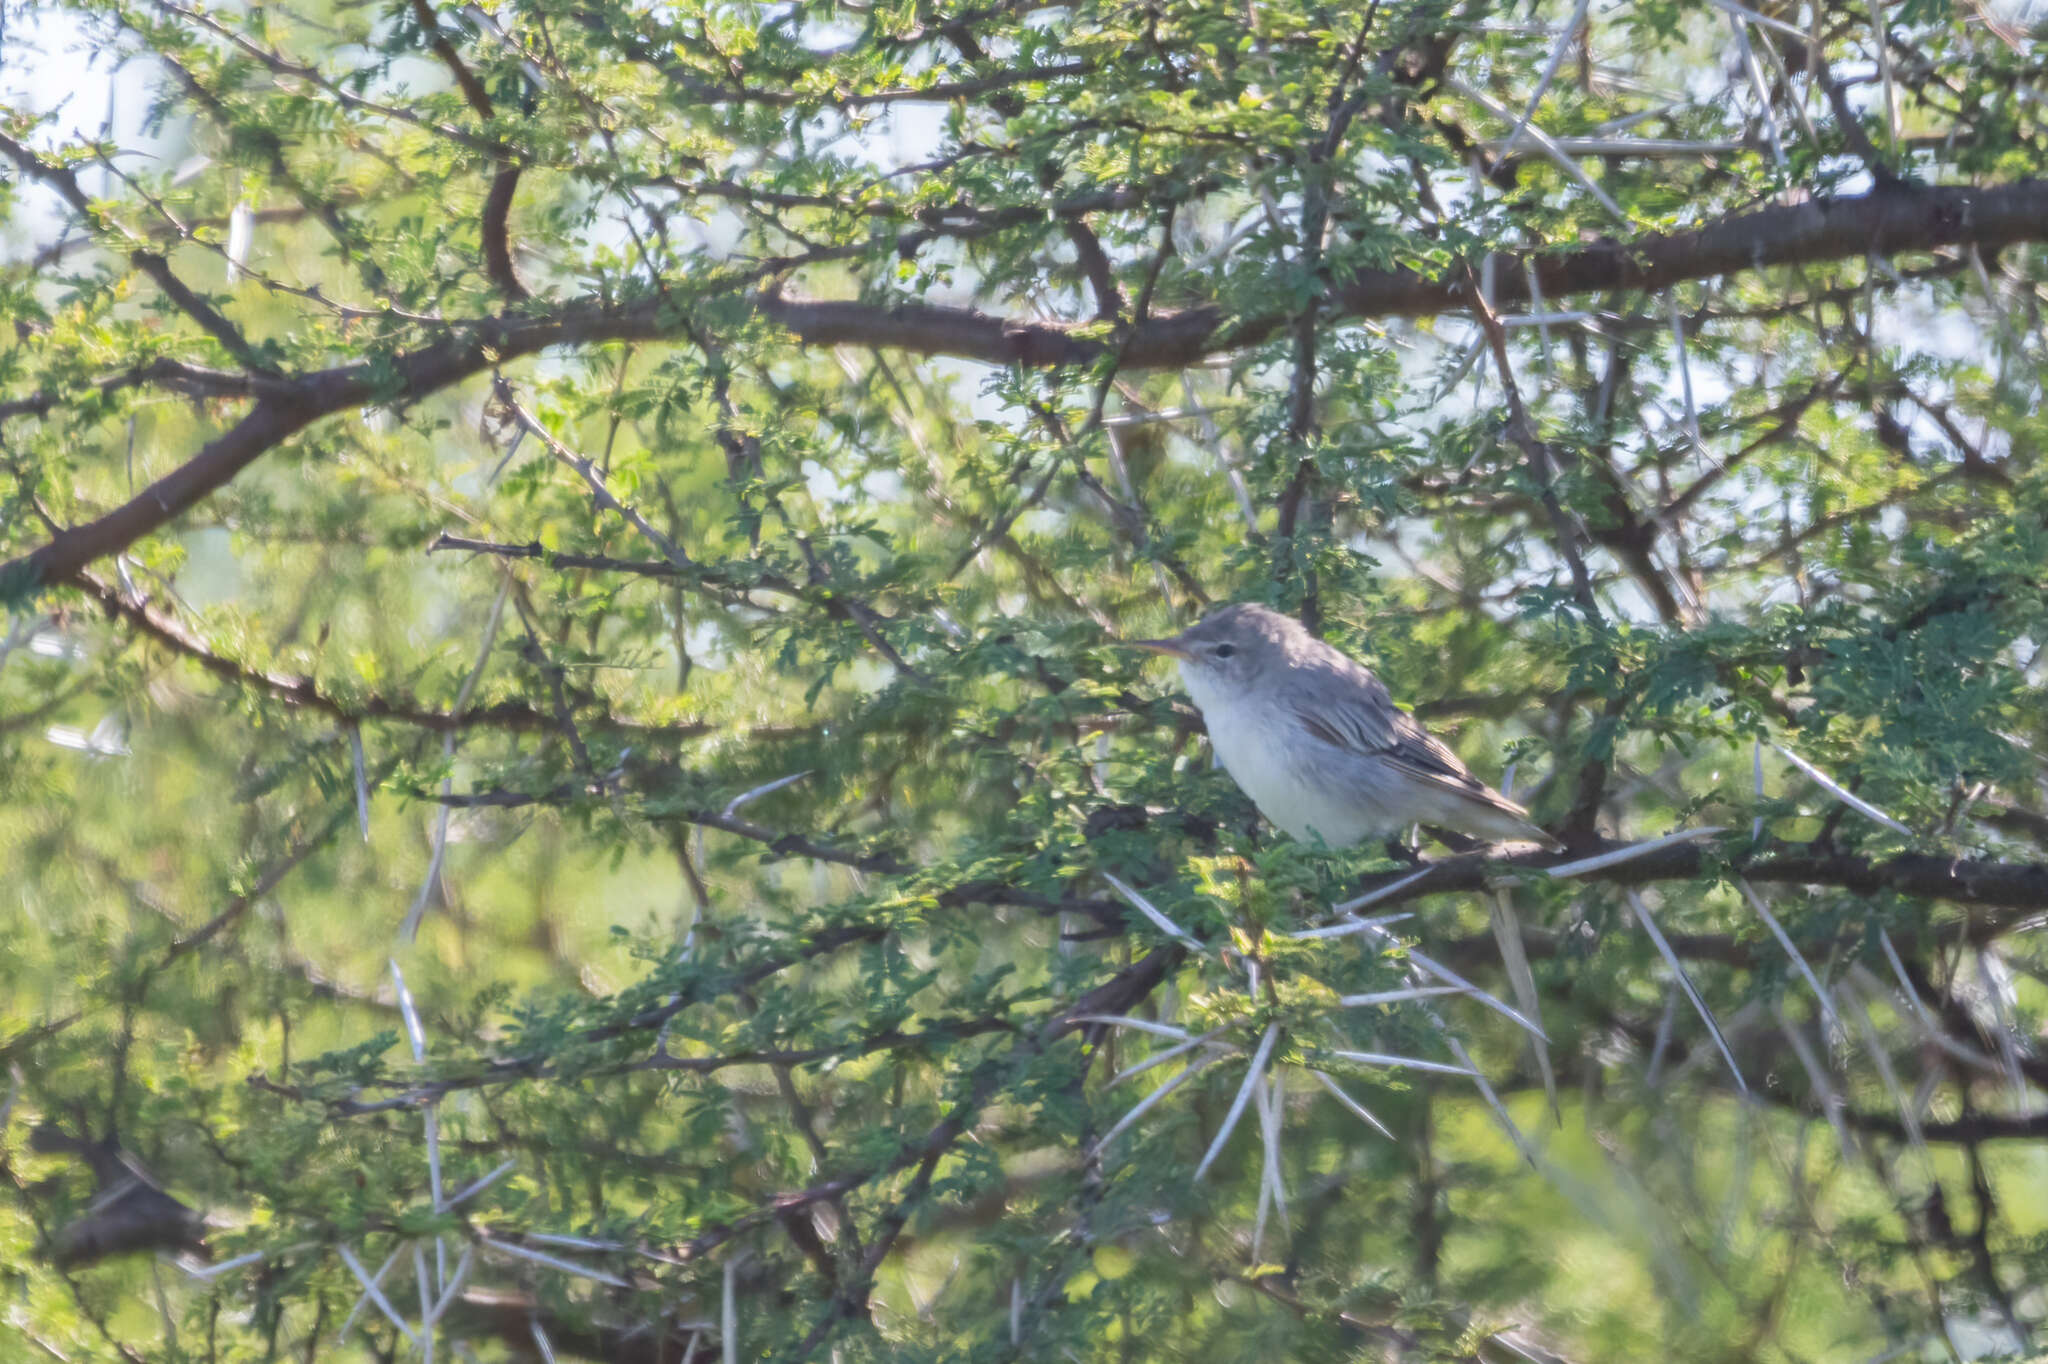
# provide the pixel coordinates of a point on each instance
(649, 496)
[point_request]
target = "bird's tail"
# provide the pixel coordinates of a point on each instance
(1500, 820)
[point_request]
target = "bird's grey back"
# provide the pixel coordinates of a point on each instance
(1338, 700)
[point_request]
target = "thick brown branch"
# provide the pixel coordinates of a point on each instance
(1109, 300)
(465, 79)
(498, 202)
(2017, 886)
(1886, 221)
(270, 422)
(497, 236)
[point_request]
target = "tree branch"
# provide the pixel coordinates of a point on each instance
(497, 245)
(304, 692)
(2017, 886)
(1888, 220)
(151, 263)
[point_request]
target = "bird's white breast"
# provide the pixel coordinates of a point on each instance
(1256, 748)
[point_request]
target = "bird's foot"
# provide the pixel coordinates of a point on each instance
(1401, 851)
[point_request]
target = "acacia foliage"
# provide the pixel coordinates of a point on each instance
(647, 492)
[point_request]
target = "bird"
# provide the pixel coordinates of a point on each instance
(1316, 741)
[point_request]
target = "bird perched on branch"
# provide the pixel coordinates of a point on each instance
(1317, 743)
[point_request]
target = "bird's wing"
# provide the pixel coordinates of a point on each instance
(1366, 722)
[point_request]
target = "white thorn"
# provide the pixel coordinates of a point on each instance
(477, 1186)
(374, 1292)
(1685, 983)
(555, 1262)
(1399, 996)
(1632, 851)
(1346, 927)
(1381, 1058)
(413, 1031)
(1141, 1024)
(1146, 1104)
(1244, 1095)
(1842, 793)
(1151, 911)
(1383, 892)
(1365, 1114)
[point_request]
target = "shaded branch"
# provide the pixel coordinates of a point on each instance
(509, 1316)
(1115, 996)
(298, 690)
(1109, 300)
(131, 1213)
(1565, 530)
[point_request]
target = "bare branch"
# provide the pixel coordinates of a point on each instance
(297, 690)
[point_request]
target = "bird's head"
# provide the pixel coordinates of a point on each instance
(1228, 652)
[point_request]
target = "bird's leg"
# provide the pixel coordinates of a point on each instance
(1402, 851)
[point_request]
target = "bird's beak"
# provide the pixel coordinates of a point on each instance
(1158, 646)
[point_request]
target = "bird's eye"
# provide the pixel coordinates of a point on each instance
(1225, 650)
